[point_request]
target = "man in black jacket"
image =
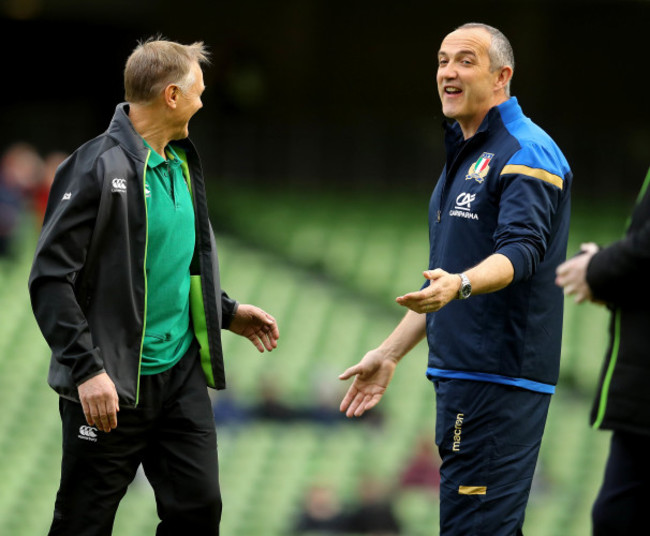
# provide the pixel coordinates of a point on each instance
(614, 276)
(125, 288)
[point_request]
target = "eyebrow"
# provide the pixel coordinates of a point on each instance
(463, 52)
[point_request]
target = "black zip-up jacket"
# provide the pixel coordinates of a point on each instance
(88, 283)
(618, 275)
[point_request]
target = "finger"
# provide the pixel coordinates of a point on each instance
(355, 408)
(275, 331)
(269, 319)
(256, 341)
(433, 274)
(105, 423)
(417, 306)
(372, 402)
(112, 415)
(366, 403)
(97, 420)
(112, 421)
(352, 371)
(269, 342)
(417, 295)
(345, 403)
(569, 288)
(101, 416)
(87, 413)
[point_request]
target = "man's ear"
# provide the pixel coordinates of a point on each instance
(505, 75)
(171, 94)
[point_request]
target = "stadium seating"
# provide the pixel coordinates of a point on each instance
(328, 266)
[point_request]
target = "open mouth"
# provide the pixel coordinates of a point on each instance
(453, 91)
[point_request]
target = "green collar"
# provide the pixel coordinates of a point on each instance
(156, 160)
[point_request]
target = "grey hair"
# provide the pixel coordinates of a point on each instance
(500, 51)
(156, 63)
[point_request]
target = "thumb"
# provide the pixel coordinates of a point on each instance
(352, 371)
(434, 274)
(430, 274)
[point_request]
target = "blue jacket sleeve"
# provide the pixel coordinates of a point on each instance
(531, 189)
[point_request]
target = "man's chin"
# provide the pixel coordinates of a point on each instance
(181, 135)
(449, 112)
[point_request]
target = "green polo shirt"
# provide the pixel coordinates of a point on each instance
(170, 247)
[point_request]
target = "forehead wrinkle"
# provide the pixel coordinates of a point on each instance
(472, 41)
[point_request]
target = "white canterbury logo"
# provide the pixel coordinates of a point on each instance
(89, 433)
(119, 185)
(66, 196)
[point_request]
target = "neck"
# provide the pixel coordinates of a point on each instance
(146, 122)
(470, 126)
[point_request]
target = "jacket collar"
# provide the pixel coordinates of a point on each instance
(121, 130)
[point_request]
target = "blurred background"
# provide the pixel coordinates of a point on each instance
(321, 140)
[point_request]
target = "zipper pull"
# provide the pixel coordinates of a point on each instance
(438, 216)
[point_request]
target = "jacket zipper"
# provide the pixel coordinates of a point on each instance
(450, 171)
(144, 270)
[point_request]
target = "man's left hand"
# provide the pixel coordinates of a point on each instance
(571, 275)
(257, 326)
(442, 289)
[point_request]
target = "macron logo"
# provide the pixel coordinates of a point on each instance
(66, 196)
(118, 185)
(88, 433)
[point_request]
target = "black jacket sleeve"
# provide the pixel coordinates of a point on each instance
(618, 274)
(58, 262)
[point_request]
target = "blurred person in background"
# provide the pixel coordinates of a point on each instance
(125, 288)
(20, 169)
(615, 276)
(41, 190)
(373, 512)
(422, 470)
(498, 228)
(321, 512)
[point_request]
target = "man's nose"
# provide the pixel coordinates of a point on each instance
(447, 71)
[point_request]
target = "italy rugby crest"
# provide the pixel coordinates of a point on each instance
(479, 169)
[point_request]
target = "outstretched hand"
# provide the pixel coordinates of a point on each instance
(372, 376)
(442, 289)
(257, 326)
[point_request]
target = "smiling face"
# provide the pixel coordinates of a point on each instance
(466, 85)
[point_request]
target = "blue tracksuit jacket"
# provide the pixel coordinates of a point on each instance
(505, 190)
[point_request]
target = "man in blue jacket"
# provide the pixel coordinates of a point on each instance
(498, 227)
(125, 288)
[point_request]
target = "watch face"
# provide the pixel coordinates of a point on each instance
(465, 291)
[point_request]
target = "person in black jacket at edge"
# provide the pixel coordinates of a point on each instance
(125, 288)
(614, 276)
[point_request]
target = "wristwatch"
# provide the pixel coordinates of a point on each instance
(465, 289)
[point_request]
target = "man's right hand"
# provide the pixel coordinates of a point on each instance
(100, 403)
(372, 376)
